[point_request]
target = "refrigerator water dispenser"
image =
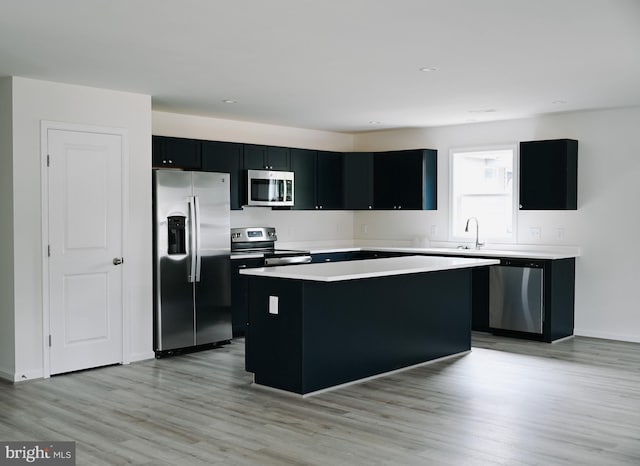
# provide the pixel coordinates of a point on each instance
(177, 235)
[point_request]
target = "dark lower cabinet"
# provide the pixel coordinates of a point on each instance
(170, 152)
(323, 334)
(559, 298)
(240, 294)
(226, 157)
(480, 299)
(549, 175)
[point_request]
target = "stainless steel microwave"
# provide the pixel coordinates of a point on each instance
(269, 188)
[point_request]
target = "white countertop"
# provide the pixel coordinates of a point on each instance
(547, 253)
(512, 254)
(369, 268)
(551, 254)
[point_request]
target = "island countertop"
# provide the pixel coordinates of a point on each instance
(367, 268)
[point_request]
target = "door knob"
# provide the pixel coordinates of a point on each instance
(118, 260)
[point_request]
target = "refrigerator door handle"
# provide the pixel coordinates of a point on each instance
(192, 240)
(198, 267)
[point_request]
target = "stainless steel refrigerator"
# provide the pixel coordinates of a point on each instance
(192, 276)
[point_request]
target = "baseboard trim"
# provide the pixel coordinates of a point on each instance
(6, 375)
(135, 357)
(21, 376)
(606, 335)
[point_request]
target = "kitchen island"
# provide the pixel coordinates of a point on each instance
(316, 326)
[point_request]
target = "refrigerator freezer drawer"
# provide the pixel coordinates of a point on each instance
(516, 298)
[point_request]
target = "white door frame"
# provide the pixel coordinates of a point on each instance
(45, 126)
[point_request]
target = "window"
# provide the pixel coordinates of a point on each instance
(482, 186)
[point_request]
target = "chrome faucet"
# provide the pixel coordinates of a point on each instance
(466, 229)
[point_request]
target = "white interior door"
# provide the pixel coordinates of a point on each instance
(85, 240)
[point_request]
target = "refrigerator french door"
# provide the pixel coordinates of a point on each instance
(192, 274)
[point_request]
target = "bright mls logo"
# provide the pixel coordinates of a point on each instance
(49, 453)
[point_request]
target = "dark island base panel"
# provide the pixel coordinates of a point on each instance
(330, 333)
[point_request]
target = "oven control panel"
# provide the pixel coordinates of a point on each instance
(249, 234)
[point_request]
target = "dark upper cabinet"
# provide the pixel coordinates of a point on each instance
(323, 180)
(358, 180)
(170, 152)
(226, 157)
(303, 165)
(257, 157)
(318, 179)
(405, 179)
(329, 180)
(549, 175)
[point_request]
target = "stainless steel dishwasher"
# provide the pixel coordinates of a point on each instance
(516, 296)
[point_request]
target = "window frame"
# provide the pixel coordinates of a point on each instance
(470, 237)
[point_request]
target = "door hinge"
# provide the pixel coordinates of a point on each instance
(49, 341)
(48, 250)
(48, 160)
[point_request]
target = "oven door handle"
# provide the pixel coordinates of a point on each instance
(287, 260)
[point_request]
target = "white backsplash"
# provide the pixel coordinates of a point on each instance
(296, 226)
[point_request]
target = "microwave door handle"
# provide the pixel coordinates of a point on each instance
(198, 265)
(273, 190)
(192, 239)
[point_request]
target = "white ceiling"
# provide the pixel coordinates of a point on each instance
(336, 65)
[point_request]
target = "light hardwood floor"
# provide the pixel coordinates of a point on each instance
(508, 402)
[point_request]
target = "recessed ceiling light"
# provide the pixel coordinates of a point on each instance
(374, 122)
(428, 69)
(230, 101)
(559, 102)
(483, 110)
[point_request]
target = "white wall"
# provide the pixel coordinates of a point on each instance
(606, 225)
(215, 129)
(327, 227)
(7, 322)
(34, 101)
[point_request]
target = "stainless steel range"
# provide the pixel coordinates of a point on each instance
(262, 240)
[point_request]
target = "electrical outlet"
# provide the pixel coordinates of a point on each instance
(434, 231)
(560, 234)
(364, 228)
(273, 305)
(535, 232)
